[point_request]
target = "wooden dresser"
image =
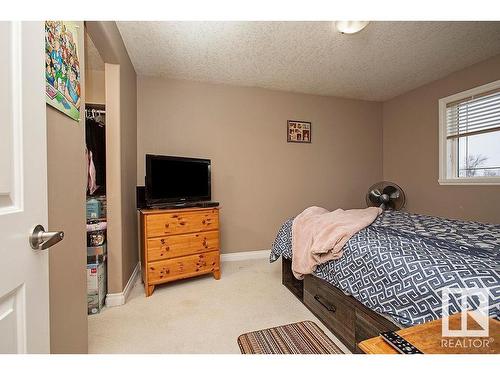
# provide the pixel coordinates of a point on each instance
(177, 244)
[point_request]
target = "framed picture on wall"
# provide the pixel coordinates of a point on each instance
(62, 67)
(298, 131)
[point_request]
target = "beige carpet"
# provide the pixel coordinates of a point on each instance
(200, 315)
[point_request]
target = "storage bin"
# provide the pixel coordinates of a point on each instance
(96, 254)
(93, 209)
(96, 287)
(96, 238)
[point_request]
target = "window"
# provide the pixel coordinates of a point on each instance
(469, 136)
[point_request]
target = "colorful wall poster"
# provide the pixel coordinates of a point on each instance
(62, 67)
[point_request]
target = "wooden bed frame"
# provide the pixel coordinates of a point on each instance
(348, 319)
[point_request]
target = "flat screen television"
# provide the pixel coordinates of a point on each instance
(172, 179)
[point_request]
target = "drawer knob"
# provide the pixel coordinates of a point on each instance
(326, 305)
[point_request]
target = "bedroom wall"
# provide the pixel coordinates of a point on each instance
(259, 178)
(94, 87)
(66, 176)
(94, 73)
(410, 127)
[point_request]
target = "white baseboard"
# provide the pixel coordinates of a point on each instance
(117, 299)
(245, 255)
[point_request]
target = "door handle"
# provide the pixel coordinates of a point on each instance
(41, 240)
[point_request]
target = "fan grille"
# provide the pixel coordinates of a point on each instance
(387, 195)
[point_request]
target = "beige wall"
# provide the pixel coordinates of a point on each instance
(411, 149)
(113, 178)
(66, 202)
(121, 149)
(94, 86)
(257, 176)
(94, 73)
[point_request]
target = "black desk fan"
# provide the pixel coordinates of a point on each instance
(386, 195)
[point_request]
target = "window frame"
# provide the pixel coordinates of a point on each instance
(444, 174)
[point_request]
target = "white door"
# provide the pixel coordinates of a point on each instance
(24, 279)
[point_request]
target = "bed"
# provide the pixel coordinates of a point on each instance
(394, 271)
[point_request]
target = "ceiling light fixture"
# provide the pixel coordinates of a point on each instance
(350, 27)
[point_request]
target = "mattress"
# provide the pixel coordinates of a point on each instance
(399, 265)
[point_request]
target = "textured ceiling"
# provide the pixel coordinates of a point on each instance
(382, 61)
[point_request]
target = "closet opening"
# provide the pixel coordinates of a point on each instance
(96, 201)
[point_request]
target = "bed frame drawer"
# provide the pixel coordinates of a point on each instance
(331, 308)
(287, 279)
(370, 324)
(348, 319)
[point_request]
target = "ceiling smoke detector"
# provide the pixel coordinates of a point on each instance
(350, 27)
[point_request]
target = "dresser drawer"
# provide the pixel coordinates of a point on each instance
(178, 268)
(330, 308)
(181, 222)
(181, 245)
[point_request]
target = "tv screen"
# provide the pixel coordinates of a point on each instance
(177, 179)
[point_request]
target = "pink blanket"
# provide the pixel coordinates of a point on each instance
(318, 235)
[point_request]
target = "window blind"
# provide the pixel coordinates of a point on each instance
(473, 115)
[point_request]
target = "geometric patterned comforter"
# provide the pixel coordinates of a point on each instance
(398, 265)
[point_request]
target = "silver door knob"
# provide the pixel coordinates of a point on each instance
(41, 240)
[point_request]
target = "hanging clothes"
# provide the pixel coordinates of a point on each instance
(95, 134)
(92, 186)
